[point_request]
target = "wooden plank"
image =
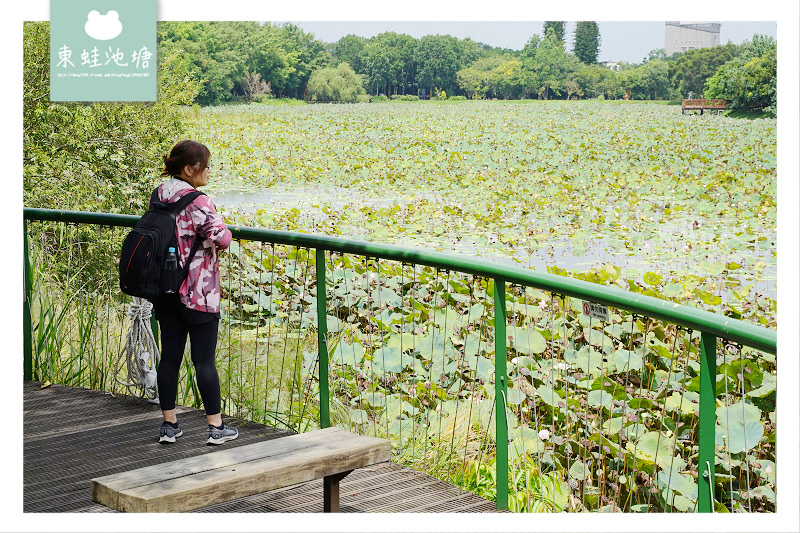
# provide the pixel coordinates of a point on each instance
(55, 481)
(229, 474)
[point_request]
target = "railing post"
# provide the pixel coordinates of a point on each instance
(500, 373)
(707, 422)
(322, 333)
(27, 343)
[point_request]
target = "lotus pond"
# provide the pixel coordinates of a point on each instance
(549, 185)
(630, 194)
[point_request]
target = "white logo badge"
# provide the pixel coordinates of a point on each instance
(103, 27)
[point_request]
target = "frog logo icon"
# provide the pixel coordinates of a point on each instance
(103, 27)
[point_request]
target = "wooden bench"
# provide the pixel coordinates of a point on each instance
(701, 104)
(235, 472)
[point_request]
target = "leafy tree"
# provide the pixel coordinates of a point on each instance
(587, 42)
(690, 70)
(471, 51)
(510, 79)
(223, 53)
(438, 59)
(337, 84)
(480, 77)
(612, 87)
(376, 60)
(558, 27)
(349, 49)
(388, 60)
(209, 46)
(590, 79)
(267, 55)
(550, 67)
(647, 82)
(658, 53)
(529, 50)
(750, 79)
(310, 54)
(100, 156)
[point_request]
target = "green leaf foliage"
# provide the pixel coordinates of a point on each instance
(96, 156)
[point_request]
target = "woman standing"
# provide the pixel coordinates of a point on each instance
(194, 310)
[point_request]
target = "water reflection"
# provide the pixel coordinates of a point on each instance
(559, 252)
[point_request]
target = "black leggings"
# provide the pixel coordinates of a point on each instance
(177, 321)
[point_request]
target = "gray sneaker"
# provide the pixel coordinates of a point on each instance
(218, 436)
(168, 434)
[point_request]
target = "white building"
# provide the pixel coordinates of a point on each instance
(683, 36)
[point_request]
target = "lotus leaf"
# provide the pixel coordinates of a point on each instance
(529, 341)
(612, 426)
(483, 367)
(579, 471)
(765, 469)
(587, 359)
(357, 416)
(626, 361)
(739, 427)
(403, 341)
(524, 439)
(677, 402)
(651, 278)
(434, 346)
(387, 359)
(348, 354)
(446, 319)
(474, 345)
(654, 448)
(599, 398)
(549, 396)
(763, 491)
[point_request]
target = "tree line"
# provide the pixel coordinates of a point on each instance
(242, 60)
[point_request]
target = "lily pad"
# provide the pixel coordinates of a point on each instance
(348, 354)
(739, 427)
(529, 341)
(579, 471)
(599, 398)
(654, 448)
(387, 359)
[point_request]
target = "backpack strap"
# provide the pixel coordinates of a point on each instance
(192, 252)
(174, 209)
(183, 202)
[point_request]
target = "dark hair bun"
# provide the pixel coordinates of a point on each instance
(185, 153)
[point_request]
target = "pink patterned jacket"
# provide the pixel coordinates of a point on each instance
(201, 289)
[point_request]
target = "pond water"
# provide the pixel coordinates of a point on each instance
(562, 252)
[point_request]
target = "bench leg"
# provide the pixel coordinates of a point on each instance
(330, 492)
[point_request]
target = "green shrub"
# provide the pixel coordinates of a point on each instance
(457, 98)
(340, 84)
(409, 98)
(396, 97)
(378, 99)
(98, 156)
(363, 99)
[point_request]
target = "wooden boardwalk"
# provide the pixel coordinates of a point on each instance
(74, 435)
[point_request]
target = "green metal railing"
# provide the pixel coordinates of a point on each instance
(711, 327)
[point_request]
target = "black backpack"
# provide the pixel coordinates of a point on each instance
(143, 268)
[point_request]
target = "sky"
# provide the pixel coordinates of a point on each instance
(627, 41)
